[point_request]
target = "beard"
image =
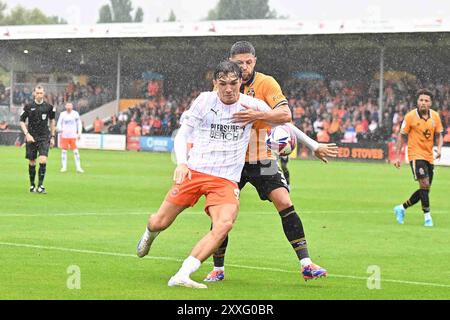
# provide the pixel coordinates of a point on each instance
(423, 111)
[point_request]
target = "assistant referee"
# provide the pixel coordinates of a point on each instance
(37, 135)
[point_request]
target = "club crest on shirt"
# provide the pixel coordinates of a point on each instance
(251, 92)
(44, 116)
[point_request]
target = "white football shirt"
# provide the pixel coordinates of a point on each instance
(219, 144)
(69, 124)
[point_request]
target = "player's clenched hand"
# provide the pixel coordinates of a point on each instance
(247, 116)
(29, 138)
(326, 150)
(52, 142)
(397, 163)
(181, 172)
(437, 155)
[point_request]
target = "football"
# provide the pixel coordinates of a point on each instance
(281, 140)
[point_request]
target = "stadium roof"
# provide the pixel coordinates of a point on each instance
(223, 28)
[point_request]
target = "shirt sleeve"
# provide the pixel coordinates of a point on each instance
(195, 115)
(24, 114)
(180, 143)
(439, 127)
(406, 125)
(52, 112)
(273, 94)
(262, 106)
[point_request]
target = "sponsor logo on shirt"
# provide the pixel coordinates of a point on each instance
(230, 132)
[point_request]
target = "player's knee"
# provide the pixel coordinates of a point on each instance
(157, 223)
(282, 203)
(32, 163)
(222, 228)
(424, 184)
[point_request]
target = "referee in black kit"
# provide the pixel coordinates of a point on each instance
(37, 136)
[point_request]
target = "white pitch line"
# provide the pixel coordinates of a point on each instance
(244, 212)
(127, 255)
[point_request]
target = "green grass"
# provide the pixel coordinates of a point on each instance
(94, 221)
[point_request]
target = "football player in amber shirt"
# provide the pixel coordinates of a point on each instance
(421, 126)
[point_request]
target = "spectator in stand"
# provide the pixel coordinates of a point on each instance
(323, 136)
(98, 125)
(349, 133)
(445, 116)
(335, 129)
(3, 125)
(137, 130)
(131, 127)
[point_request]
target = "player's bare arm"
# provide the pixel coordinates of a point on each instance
(440, 142)
(398, 148)
(181, 173)
(180, 147)
(276, 116)
(325, 150)
(321, 150)
(29, 138)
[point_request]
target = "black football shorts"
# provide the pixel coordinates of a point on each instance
(264, 176)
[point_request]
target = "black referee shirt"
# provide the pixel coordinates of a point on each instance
(38, 116)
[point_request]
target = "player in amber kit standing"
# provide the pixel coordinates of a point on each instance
(261, 167)
(421, 126)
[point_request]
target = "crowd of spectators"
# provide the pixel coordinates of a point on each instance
(156, 116)
(328, 111)
(341, 111)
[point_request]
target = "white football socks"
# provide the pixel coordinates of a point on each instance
(305, 261)
(190, 265)
(64, 159)
(76, 155)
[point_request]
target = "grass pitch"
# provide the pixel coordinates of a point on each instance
(91, 222)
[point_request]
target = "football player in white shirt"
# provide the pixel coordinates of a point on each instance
(213, 168)
(69, 128)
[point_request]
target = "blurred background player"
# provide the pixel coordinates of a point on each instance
(38, 136)
(69, 128)
(213, 168)
(421, 126)
(261, 167)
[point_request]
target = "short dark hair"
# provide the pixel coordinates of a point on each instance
(226, 67)
(424, 92)
(39, 87)
(242, 47)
